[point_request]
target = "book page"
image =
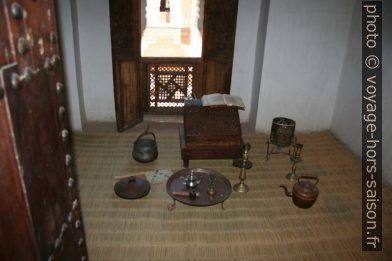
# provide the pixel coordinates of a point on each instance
(212, 99)
(232, 100)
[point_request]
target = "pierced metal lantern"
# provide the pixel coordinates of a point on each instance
(282, 135)
(282, 131)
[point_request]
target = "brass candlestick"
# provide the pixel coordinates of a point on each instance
(296, 157)
(244, 163)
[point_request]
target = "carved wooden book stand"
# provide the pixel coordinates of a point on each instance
(212, 132)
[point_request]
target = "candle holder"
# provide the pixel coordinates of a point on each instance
(244, 164)
(295, 158)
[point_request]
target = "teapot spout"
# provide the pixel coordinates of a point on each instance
(289, 194)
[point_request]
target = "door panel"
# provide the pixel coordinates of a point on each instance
(128, 86)
(217, 74)
(220, 17)
(15, 216)
(28, 108)
(34, 99)
(125, 35)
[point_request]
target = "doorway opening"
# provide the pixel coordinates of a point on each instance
(172, 28)
(171, 49)
(158, 81)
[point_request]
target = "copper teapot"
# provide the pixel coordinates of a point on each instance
(304, 193)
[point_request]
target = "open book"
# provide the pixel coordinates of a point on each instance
(222, 99)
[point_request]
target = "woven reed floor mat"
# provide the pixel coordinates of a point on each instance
(260, 225)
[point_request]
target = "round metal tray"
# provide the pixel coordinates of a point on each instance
(222, 187)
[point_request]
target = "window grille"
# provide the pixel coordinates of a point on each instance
(170, 84)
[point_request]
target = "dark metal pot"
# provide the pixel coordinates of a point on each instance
(145, 150)
(304, 193)
(282, 131)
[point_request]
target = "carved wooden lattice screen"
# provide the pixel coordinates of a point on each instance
(169, 84)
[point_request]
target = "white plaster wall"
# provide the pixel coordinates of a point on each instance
(64, 16)
(346, 122)
(347, 119)
(303, 58)
(96, 59)
(258, 66)
(245, 53)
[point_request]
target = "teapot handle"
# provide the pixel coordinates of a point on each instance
(309, 177)
(146, 132)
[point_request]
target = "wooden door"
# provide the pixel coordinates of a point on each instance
(40, 210)
(220, 17)
(125, 35)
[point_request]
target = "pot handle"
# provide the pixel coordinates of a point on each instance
(146, 132)
(309, 177)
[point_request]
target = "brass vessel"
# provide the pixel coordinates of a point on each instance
(295, 158)
(244, 163)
